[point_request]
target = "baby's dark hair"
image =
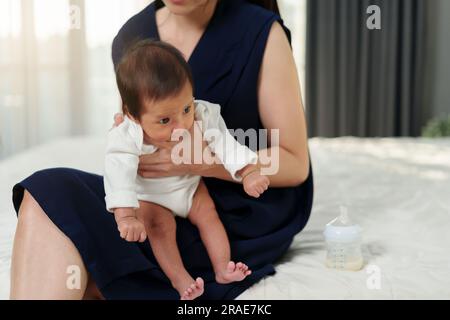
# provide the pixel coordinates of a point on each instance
(150, 71)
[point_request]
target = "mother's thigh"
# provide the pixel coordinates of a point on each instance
(42, 255)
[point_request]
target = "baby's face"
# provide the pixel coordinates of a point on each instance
(161, 118)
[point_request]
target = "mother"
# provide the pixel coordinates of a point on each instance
(240, 56)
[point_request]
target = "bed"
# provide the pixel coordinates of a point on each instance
(397, 189)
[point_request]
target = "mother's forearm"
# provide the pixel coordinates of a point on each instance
(213, 171)
(291, 171)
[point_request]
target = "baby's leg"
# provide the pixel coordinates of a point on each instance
(160, 226)
(203, 214)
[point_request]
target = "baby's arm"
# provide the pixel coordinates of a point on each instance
(121, 164)
(240, 161)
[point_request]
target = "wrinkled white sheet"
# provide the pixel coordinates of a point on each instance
(398, 190)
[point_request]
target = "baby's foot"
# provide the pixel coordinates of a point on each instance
(234, 272)
(190, 289)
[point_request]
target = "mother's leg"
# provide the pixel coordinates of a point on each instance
(42, 257)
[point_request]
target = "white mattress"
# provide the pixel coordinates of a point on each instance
(396, 189)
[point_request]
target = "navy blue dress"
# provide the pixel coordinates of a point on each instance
(225, 65)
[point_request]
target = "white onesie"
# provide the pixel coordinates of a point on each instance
(124, 187)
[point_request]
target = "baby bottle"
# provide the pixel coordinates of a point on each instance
(343, 241)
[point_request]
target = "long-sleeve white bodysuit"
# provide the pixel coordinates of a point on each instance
(124, 187)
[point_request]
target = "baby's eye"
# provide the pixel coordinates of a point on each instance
(164, 121)
(187, 109)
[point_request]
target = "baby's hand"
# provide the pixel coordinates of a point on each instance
(130, 228)
(255, 184)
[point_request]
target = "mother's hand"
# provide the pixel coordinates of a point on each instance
(160, 163)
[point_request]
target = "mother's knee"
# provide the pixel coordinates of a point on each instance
(29, 210)
(56, 175)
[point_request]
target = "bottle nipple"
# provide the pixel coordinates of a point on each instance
(344, 218)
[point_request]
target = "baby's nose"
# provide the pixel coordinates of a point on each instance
(178, 128)
(180, 125)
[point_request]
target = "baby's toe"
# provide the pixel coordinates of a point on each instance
(199, 282)
(231, 266)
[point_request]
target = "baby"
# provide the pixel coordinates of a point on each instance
(156, 87)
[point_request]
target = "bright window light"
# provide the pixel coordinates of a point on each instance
(101, 27)
(52, 18)
(10, 18)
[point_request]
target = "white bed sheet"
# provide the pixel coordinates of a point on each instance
(398, 190)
